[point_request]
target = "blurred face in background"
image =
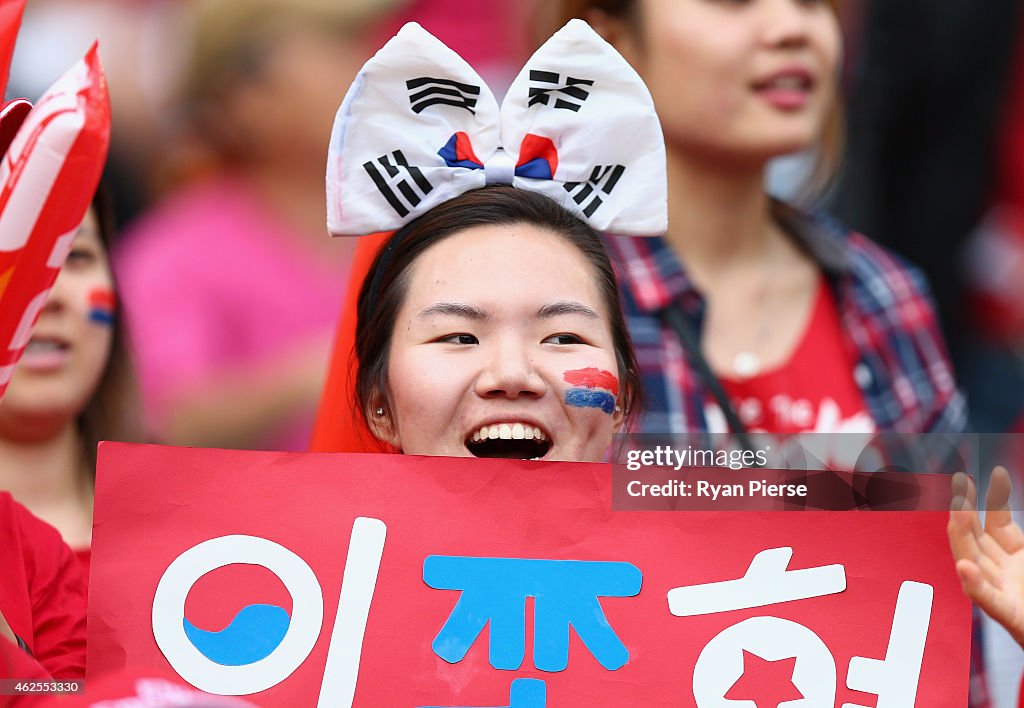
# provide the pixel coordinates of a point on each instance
(287, 108)
(64, 361)
(735, 80)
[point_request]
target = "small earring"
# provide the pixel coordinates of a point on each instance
(380, 411)
(618, 409)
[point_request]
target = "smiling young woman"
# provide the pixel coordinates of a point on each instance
(749, 312)
(480, 322)
(795, 323)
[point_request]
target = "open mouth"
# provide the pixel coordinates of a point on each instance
(513, 441)
(786, 82)
(45, 345)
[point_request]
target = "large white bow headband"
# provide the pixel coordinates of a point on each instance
(419, 127)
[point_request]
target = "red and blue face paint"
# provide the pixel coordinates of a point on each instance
(592, 388)
(102, 306)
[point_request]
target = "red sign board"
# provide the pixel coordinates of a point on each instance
(389, 580)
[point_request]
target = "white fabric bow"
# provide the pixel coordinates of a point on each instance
(419, 127)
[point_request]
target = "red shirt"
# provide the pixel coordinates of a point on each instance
(814, 391)
(42, 593)
(84, 556)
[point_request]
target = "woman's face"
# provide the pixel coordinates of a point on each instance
(70, 345)
(502, 348)
(738, 79)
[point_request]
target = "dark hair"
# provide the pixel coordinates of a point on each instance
(112, 412)
(383, 292)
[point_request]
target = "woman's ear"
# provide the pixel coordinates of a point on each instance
(379, 418)
(618, 417)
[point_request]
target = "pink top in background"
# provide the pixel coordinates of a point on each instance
(211, 281)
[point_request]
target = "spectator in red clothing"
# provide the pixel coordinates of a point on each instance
(749, 313)
(71, 389)
(42, 599)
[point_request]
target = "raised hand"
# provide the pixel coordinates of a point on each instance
(989, 560)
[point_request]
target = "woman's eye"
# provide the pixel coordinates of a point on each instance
(563, 339)
(80, 256)
(459, 339)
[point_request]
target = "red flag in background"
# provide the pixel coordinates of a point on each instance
(340, 426)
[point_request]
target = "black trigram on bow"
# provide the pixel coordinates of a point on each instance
(572, 90)
(588, 194)
(425, 92)
(387, 183)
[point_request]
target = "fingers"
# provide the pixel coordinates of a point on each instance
(979, 590)
(972, 492)
(989, 562)
(997, 499)
(998, 518)
(960, 484)
(1003, 607)
(965, 503)
(963, 531)
(991, 549)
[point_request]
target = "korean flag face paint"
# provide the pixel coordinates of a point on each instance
(591, 388)
(102, 306)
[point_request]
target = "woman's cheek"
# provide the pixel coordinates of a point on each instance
(102, 306)
(591, 387)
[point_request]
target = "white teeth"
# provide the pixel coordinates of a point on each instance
(42, 345)
(508, 431)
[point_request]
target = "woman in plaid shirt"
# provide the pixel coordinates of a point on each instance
(808, 327)
(799, 324)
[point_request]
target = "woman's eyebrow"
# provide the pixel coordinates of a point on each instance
(454, 309)
(566, 307)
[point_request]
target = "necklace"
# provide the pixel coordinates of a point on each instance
(746, 362)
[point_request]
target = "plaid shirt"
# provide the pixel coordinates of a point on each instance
(888, 326)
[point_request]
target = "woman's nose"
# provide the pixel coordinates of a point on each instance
(57, 299)
(785, 23)
(510, 373)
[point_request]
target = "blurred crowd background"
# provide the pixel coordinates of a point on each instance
(222, 111)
